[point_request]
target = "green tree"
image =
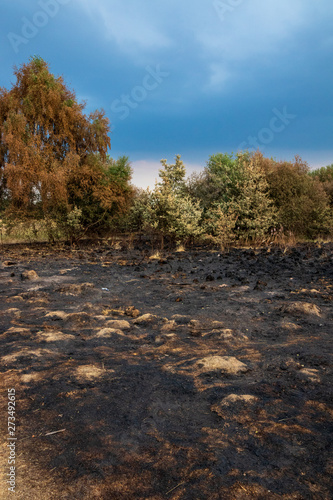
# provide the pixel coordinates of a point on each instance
(175, 216)
(226, 175)
(167, 210)
(173, 175)
(138, 216)
(255, 211)
(220, 181)
(220, 226)
(233, 188)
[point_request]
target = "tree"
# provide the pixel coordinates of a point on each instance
(175, 216)
(233, 193)
(167, 210)
(303, 205)
(323, 173)
(172, 176)
(220, 226)
(325, 176)
(137, 217)
(255, 211)
(225, 176)
(221, 181)
(102, 190)
(52, 156)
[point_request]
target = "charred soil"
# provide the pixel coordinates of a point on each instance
(194, 375)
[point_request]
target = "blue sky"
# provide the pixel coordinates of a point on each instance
(188, 77)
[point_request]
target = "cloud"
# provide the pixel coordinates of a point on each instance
(180, 35)
(227, 72)
(218, 77)
(253, 28)
(134, 28)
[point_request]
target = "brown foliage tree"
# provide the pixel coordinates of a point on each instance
(51, 153)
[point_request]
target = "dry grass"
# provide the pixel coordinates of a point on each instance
(155, 256)
(25, 232)
(321, 240)
(114, 243)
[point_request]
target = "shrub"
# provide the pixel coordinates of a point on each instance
(220, 226)
(302, 203)
(238, 193)
(325, 176)
(167, 210)
(255, 211)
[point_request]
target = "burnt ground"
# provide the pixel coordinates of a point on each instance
(197, 375)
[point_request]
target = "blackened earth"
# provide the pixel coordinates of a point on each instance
(192, 375)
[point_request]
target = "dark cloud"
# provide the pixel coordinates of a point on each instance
(188, 77)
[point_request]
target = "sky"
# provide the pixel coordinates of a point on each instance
(189, 77)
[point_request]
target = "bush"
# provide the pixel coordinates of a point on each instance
(234, 188)
(302, 203)
(220, 227)
(102, 192)
(325, 176)
(255, 211)
(167, 211)
(219, 182)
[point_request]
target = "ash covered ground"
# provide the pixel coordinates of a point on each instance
(195, 375)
